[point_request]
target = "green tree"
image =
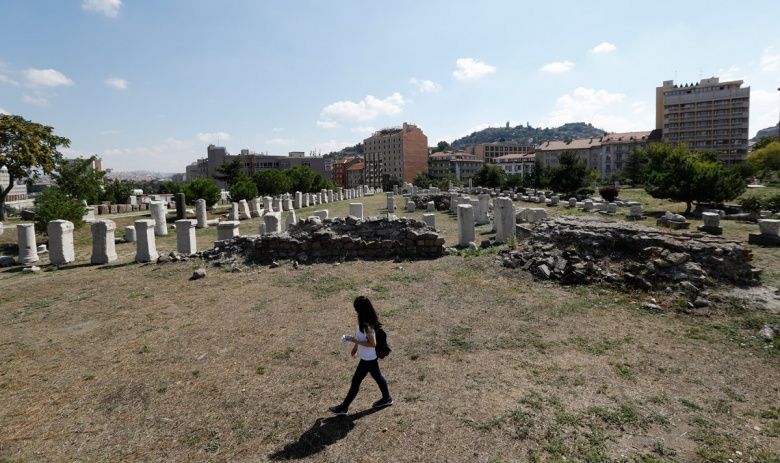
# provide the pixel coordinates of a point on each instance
(271, 182)
(79, 179)
(441, 146)
(569, 175)
(169, 187)
(202, 188)
(764, 141)
(636, 166)
(230, 171)
(422, 180)
(490, 176)
(54, 204)
(676, 174)
(116, 191)
(539, 177)
(305, 180)
(243, 188)
(766, 160)
(514, 181)
(27, 149)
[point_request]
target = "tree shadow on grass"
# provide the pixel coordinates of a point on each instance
(321, 434)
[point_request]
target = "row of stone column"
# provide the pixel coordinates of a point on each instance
(503, 217)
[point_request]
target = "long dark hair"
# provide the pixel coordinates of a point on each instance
(366, 314)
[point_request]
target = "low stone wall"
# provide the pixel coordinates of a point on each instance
(336, 239)
(441, 201)
(584, 250)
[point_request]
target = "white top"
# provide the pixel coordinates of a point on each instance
(365, 353)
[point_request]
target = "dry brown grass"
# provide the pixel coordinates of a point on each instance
(135, 362)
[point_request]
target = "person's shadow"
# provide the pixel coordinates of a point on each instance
(322, 433)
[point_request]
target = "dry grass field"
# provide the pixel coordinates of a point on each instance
(131, 362)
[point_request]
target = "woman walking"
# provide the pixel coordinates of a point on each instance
(365, 348)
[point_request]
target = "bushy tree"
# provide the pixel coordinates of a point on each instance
(27, 149)
(389, 182)
(636, 166)
(539, 177)
(202, 188)
(306, 180)
(514, 181)
(230, 171)
(422, 180)
(609, 193)
(674, 173)
(441, 146)
(79, 179)
(169, 187)
(116, 191)
(764, 141)
(490, 176)
(54, 204)
(766, 160)
(569, 175)
(271, 182)
(243, 188)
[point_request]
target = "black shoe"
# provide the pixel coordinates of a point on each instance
(338, 410)
(382, 403)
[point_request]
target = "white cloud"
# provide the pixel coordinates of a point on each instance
(769, 59)
(558, 67)
(367, 109)
(171, 155)
(363, 129)
(763, 108)
(109, 8)
(3, 111)
(328, 146)
(471, 69)
(425, 86)
(327, 124)
(7, 80)
(117, 83)
(46, 78)
(35, 99)
(601, 108)
(604, 47)
(278, 129)
(734, 72)
(280, 141)
(212, 137)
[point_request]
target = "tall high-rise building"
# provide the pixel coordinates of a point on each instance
(399, 152)
(708, 116)
(488, 152)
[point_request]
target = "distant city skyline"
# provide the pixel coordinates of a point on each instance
(148, 85)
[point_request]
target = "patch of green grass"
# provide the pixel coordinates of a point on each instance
(623, 417)
(658, 399)
(261, 305)
(624, 371)
(260, 370)
(162, 389)
(690, 404)
(283, 355)
(145, 349)
(602, 346)
(37, 305)
(195, 373)
(88, 377)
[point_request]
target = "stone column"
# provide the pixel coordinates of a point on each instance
(465, 224)
(268, 203)
(273, 222)
(181, 206)
(290, 220)
(554, 200)
(505, 220)
(277, 204)
(390, 202)
(159, 211)
(588, 205)
(306, 199)
(483, 205)
(60, 242)
(103, 247)
(298, 200)
(186, 243)
(430, 220)
(201, 214)
(287, 205)
(227, 230)
(430, 206)
(130, 234)
(572, 202)
(454, 198)
(356, 210)
(769, 227)
(28, 249)
(243, 210)
(635, 211)
(145, 245)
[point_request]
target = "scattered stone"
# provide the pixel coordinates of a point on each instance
(700, 302)
(768, 333)
(7, 261)
(198, 274)
(31, 269)
(651, 307)
(485, 244)
(274, 264)
(295, 264)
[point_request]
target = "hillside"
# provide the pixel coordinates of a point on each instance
(764, 133)
(528, 134)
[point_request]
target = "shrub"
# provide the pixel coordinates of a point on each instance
(202, 188)
(772, 203)
(243, 188)
(54, 204)
(751, 203)
(584, 192)
(609, 193)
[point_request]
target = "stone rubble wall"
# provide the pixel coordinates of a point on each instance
(441, 201)
(337, 239)
(585, 250)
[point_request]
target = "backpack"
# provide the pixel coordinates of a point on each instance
(382, 347)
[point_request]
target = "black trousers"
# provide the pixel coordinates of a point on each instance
(365, 367)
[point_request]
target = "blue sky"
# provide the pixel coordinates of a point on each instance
(147, 84)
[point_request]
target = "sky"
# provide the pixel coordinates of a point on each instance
(148, 84)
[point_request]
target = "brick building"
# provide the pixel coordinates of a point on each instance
(355, 174)
(340, 167)
(399, 152)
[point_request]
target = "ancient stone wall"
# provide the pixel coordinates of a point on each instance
(441, 201)
(335, 239)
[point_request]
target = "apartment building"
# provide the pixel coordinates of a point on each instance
(340, 167)
(398, 152)
(488, 152)
(606, 155)
(517, 163)
(459, 165)
(251, 162)
(355, 174)
(708, 115)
